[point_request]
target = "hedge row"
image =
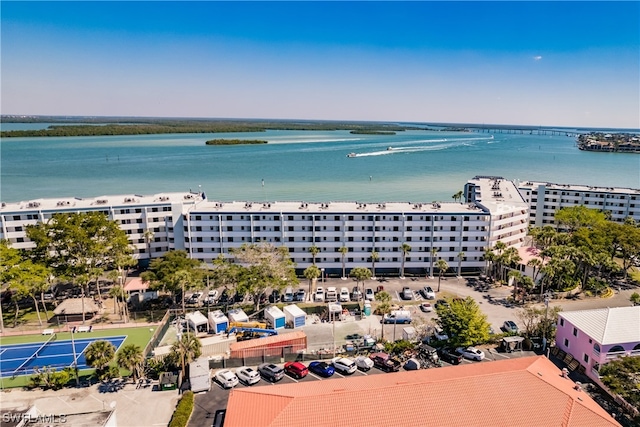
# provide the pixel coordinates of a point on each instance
(183, 410)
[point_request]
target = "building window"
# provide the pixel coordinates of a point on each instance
(566, 343)
(575, 332)
(561, 322)
(585, 358)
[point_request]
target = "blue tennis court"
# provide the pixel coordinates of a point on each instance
(22, 359)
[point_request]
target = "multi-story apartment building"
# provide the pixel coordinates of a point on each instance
(544, 199)
(205, 229)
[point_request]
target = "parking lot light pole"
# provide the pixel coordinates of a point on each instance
(322, 270)
(546, 321)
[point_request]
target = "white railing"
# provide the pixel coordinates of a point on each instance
(615, 354)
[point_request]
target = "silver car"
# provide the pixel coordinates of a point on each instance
(248, 376)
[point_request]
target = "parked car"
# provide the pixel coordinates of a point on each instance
(364, 363)
(224, 298)
(426, 307)
(248, 376)
(274, 297)
(344, 295)
(471, 353)
(449, 356)
(226, 378)
(332, 294)
(442, 302)
(296, 369)
(356, 295)
(288, 295)
(344, 365)
(322, 369)
(212, 297)
(385, 362)
(319, 295)
(368, 294)
(194, 298)
(510, 327)
(301, 295)
(407, 293)
(428, 292)
(271, 372)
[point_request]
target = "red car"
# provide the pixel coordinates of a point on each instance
(296, 369)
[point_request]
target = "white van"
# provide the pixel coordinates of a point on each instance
(332, 294)
(397, 316)
(288, 295)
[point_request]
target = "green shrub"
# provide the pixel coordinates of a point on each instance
(183, 410)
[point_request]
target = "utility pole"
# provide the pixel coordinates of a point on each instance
(546, 321)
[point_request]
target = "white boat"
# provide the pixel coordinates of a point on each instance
(389, 148)
(351, 155)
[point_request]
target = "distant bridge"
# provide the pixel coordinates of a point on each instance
(522, 130)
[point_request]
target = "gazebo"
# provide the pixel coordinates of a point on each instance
(70, 310)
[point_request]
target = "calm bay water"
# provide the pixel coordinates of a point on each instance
(421, 166)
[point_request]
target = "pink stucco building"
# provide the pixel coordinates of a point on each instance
(594, 337)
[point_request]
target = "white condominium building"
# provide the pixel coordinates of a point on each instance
(205, 229)
(544, 199)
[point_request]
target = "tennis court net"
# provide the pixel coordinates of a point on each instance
(34, 355)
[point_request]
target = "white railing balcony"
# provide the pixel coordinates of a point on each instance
(615, 354)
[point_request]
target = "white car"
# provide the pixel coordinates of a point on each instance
(248, 376)
(319, 295)
(226, 378)
(428, 292)
(426, 307)
(344, 365)
(368, 294)
(364, 363)
(344, 294)
(471, 353)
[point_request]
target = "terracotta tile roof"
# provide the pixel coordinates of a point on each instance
(273, 339)
(517, 392)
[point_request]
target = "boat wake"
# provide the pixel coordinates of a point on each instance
(441, 144)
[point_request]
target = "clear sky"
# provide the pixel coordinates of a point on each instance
(534, 63)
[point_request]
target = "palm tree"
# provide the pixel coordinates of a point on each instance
(186, 350)
(343, 251)
(361, 274)
(434, 252)
(311, 273)
(384, 305)
(132, 359)
(517, 277)
(535, 263)
(527, 285)
(460, 259)
(314, 250)
(374, 257)
(442, 266)
(183, 278)
(98, 355)
(490, 258)
(405, 248)
(457, 196)
(148, 236)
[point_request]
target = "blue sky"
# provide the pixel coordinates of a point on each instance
(535, 63)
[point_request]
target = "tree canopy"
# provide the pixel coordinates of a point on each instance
(622, 376)
(463, 321)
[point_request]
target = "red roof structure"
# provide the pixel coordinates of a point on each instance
(136, 284)
(529, 391)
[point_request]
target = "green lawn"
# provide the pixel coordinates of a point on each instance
(139, 336)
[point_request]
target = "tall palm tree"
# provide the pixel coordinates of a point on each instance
(361, 274)
(442, 266)
(186, 350)
(490, 258)
(517, 277)
(184, 279)
(460, 259)
(434, 253)
(314, 250)
(457, 196)
(536, 265)
(148, 237)
(405, 248)
(130, 357)
(384, 305)
(98, 355)
(343, 251)
(374, 257)
(311, 273)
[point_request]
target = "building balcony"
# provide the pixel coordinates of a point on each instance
(615, 354)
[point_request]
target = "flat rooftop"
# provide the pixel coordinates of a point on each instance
(573, 187)
(498, 194)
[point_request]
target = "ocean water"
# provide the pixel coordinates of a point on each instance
(420, 166)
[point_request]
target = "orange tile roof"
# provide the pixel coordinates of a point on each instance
(273, 339)
(527, 391)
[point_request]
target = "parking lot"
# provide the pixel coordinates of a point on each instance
(207, 403)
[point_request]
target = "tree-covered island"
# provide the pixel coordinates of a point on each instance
(234, 141)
